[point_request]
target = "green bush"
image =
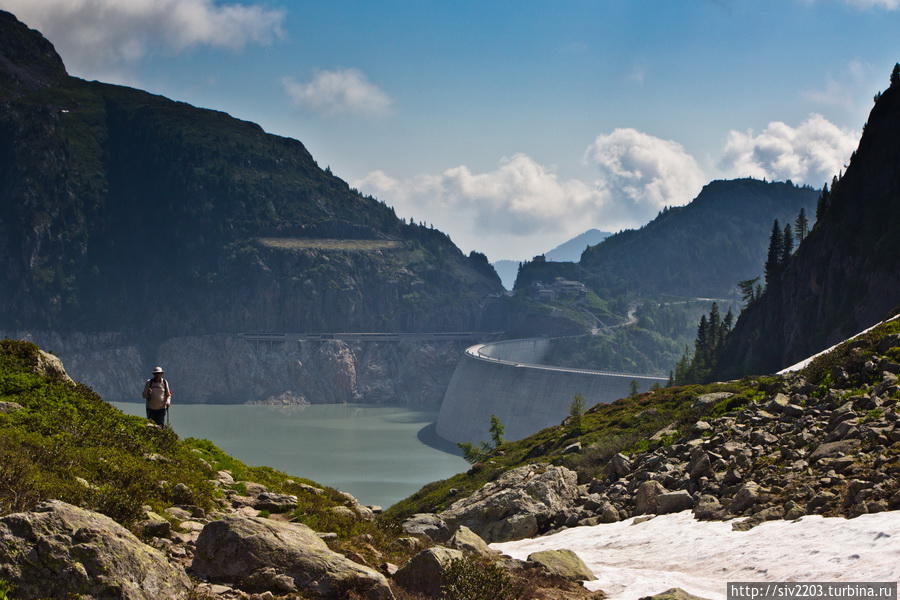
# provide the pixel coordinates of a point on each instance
(471, 578)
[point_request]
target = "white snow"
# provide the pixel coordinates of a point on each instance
(631, 561)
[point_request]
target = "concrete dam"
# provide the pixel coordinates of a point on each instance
(507, 379)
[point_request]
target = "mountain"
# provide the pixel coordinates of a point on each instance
(845, 275)
(123, 210)
(699, 250)
(567, 251)
(136, 230)
(572, 249)
(756, 449)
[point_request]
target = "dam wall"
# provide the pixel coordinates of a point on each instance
(507, 379)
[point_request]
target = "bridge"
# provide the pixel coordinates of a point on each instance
(508, 379)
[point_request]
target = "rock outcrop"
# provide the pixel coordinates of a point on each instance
(424, 573)
(59, 550)
(521, 503)
(259, 555)
(564, 563)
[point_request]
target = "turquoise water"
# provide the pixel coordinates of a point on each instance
(373, 452)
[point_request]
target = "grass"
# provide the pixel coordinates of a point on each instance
(67, 443)
(329, 244)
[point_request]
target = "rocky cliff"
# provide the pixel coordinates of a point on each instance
(845, 276)
(226, 368)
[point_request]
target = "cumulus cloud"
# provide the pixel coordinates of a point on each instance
(523, 207)
(644, 173)
(342, 91)
(812, 152)
(102, 38)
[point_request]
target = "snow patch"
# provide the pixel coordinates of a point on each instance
(632, 561)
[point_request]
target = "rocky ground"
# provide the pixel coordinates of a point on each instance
(830, 449)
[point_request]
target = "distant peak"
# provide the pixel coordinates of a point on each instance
(27, 59)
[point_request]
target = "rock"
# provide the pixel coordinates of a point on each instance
(701, 427)
(700, 464)
(645, 497)
(9, 407)
(49, 365)
(424, 573)
(261, 554)
(619, 465)
(225, 478)
(275, 503)
(182, 494)
(794, 410)
(708, 507)
(427, 524)
(834, 449)
(793, 511)
(664, 432)
(311, 489)
(518, 504)
(888, 342)
(178, 513)
(673, 594)
(572, 448)
(154, 526)
(60, 550)
(470, 542)
(778, 403)
(564, 563)
(745, 497)
(672, 502)
(607, 513)
(344, 512)
(712, 398)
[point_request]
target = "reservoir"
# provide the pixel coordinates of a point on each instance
(371, 451)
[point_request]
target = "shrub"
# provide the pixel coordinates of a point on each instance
(471, 578)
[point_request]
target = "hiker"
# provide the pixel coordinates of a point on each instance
(158, 397)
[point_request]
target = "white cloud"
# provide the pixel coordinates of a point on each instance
(843, 90)
(342, 91)
(105, 38)
(885, 4)
(812, 152)
(523, 207)
(644, 173)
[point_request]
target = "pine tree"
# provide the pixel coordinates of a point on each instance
(801, 226)
(895, 75)
(787, 244)
(773, 259)
(749, 291)
(822, 204)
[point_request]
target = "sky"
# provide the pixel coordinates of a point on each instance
(512, 125)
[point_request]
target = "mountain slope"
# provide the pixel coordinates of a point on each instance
(699, 250)
(567, 251)
(845, 276)
(119, 208)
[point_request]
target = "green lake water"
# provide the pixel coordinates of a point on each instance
(373, 452)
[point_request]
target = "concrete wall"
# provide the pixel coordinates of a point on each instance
(506, 379)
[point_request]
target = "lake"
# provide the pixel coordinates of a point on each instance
(373, 452)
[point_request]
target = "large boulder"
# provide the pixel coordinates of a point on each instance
(672, 502)
(645, 498)
(424, 573)
(60, 551)
(519, 504)
(470, 542)
(261, 555)
(428, 524)
(564, 563)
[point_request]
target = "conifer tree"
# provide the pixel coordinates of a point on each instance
(822, 204)
(773, 259)
(787, 243)
(801, 226)
(895, 75)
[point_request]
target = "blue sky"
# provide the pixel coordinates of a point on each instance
(512, 125)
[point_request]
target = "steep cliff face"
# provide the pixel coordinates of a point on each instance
(845, 276)
(125, 211)
(225, 368)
